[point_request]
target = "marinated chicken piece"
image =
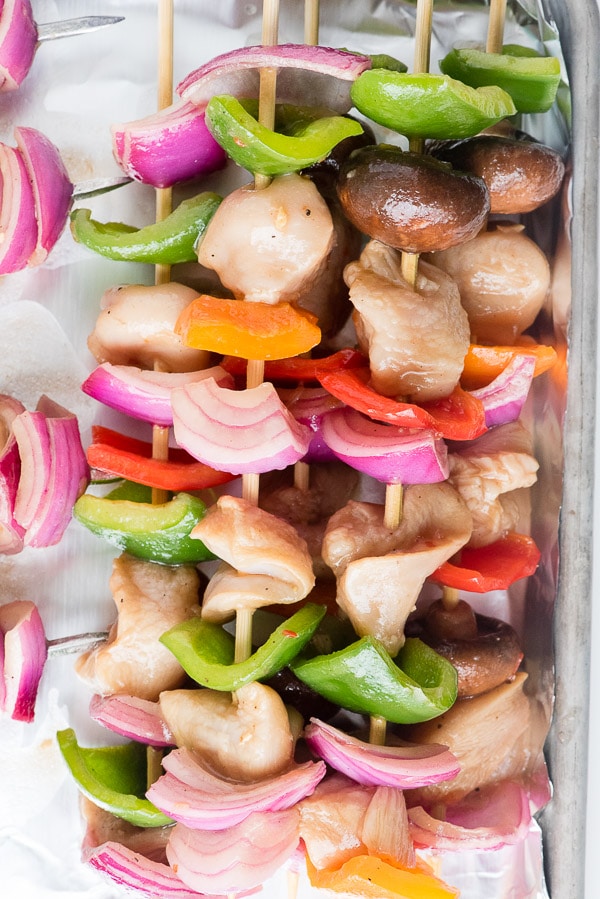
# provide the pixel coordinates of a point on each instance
(331, 485)
(416, 339)
(150, 599)
(380, 572)
(245, 736)
(491, 476)
(269, 245)
(264, 560)
(503, 278)
(343, 819)
(136, 327)
(491, 737)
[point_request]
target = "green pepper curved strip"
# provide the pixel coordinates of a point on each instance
(429, 105)
(531, 80)
(167, 242)
(156, 532)
(271, 153)
(417, 686)
(113, 778)
(206, 652)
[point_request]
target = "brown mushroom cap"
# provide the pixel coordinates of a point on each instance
(485, 651)
(411, 202)
(520, 173)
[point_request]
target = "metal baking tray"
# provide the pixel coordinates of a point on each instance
(76, 89)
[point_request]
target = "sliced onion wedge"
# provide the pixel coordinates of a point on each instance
(504, 398)
(145, 394)
(204, 801)
(18, 42)
(391, 455)
(485, 819)
(132, 717)
(11, 532)
(54, 471)
(18, 226)
(239, 431)
(133, 871)
(237, 859)
(24, 652)
(302, 71)
(309, 405)
(52, 189)
(167, 147)
(403, 767)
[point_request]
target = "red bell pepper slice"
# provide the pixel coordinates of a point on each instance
(459, 416)
(492, 567)
(127, 457)
(297, 369)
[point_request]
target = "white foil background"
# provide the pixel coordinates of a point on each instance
(77, 87)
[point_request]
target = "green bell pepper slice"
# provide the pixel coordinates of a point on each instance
(531, 80)
(167, 242)
(429, 105)
(113, 778)
(206, 652)
(157, 532)
(265, 152)
(417, 685)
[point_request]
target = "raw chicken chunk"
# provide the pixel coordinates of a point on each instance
(380, 572)
(136, 327)
(269, 245)
(490, 475)
(264, 560)
(416, 339)
(244, 735)
(150, 599)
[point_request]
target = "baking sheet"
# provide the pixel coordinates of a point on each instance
(76, 89)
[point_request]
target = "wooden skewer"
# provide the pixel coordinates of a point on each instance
(164, 198)
(495, 34)
(495, 39)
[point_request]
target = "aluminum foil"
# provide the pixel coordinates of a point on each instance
(76, 89)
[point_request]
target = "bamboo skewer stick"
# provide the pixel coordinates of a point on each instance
(164, 198)
(495, 34)
(495, 38)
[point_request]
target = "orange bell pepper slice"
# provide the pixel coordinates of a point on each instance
(129, 458)
(484, 363)
(492, 567)
(249, 330)
(370, 877)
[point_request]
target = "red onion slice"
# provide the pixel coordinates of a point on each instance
(145, 394)
(132, 717)
(309, 405)
(54, 471)
(504, 398)
(302, 71)
(391, 455)
(486, 819)
(18, 42)
(170, 146)
(239, 431)
(133, 871)
(402, 767)
(242, 857)
(11, 532)
(18, 224)
(24, 656)
(52, 189)
(203, 801)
